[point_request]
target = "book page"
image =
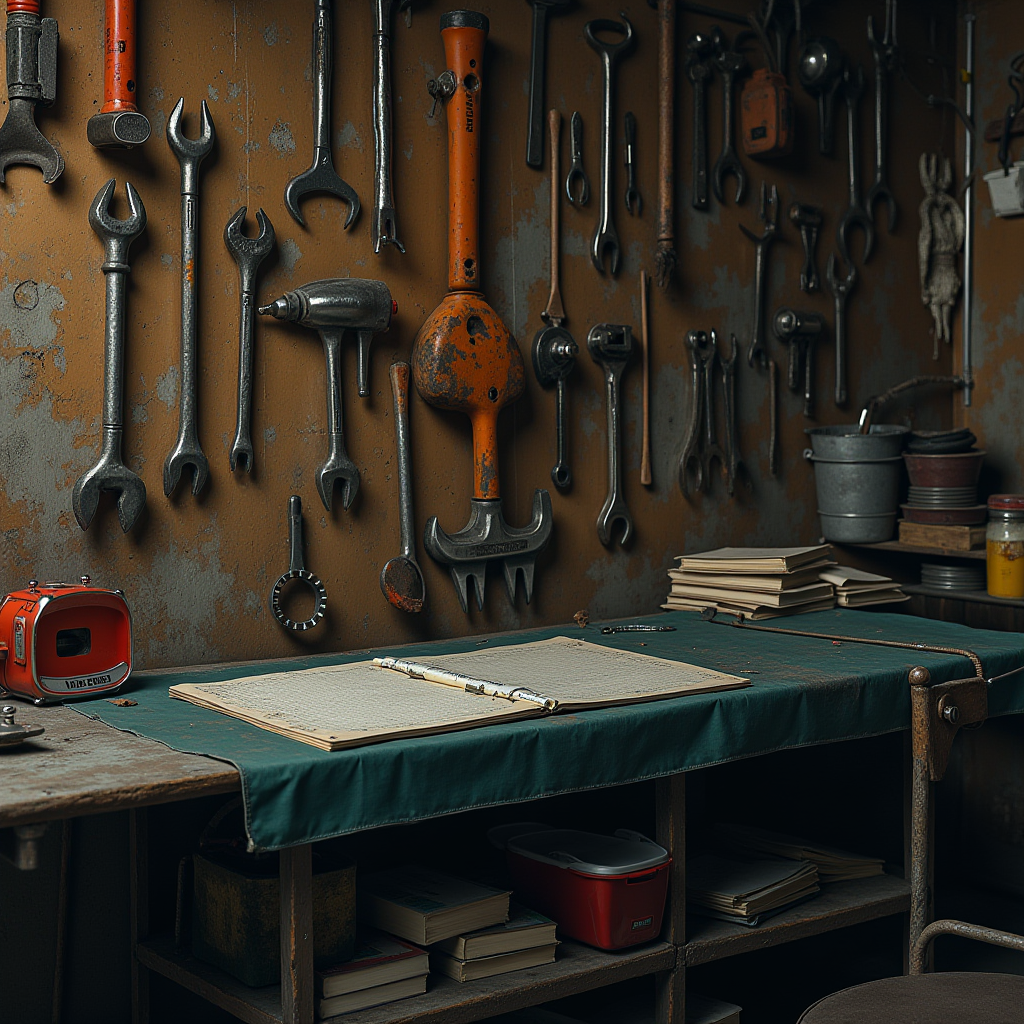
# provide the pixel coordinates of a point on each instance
(580, 674)
(352, 705)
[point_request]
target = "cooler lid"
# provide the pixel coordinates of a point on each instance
(589, 853)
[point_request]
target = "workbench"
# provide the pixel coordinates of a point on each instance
(805, 691)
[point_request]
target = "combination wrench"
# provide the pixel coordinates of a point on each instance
(768, 212)
(840, 289)
(190, 154)
(711, 449)
(606, 239)
(730, 64)
(611, 346)
(700, 49)
(885, 56)
(733, 462)
(690, 457)
(248, 253)
(856, 215)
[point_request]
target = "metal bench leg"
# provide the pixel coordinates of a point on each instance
(138, 824)
(297, 935)
(670, 991)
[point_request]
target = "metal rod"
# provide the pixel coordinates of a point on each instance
(968, 210)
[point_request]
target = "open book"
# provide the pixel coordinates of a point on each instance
(352, 705)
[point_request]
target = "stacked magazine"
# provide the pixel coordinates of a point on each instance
(856, 588)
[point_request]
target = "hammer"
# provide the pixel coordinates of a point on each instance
(118, 125)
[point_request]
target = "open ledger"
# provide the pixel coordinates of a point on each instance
(340, 706)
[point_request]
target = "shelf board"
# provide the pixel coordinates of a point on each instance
(976, 596)
(913, 549)
(577, 969)
(838, 905)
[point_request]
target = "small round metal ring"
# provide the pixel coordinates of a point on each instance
(318, 590)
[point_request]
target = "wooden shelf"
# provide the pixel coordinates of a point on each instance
(838, 905)
(577, 969)
(977, 596)
(913, 549)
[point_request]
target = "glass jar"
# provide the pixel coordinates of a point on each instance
(1004, 545)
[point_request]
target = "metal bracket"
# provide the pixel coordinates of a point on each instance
(939, 712)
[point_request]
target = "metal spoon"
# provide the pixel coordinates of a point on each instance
(820, 70)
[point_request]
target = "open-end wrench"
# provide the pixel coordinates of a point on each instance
(768, 211)
(732, 445)
(632, 195)
(576, 171)
(730, 63)
(190, 154)
(700, 49)
(711, 449)
(110, 473)
(611, 346)
(248, 253)
(840, 289)
(690, 457)
(538, 62)
(606, 239)
(884, 53)
(321, 176)
(856, 215)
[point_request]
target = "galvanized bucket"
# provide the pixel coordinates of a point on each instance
(858, 480)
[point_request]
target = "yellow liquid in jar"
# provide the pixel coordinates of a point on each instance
(1005, 562)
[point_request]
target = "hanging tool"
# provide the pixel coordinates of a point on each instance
(538, 65)
(401, 579)
(730, 64)
(331, 308)
(665, 257)
(711, 450)
(768, 212)
(1014, 79)
(943, 228)
(248, 253)
(554, 350)
(464, 357)
(611, 346)
(31, 79)
(632, 195)
(808, 220)
(119, 124)
(840, 289)
(190, 154)
(820, 71)
(606, 238)
(297, 571)
(856, 215)
(800, 330)
(766, 103)
(576, 172)
(773, 418)
(321, 176)
(110, 473)
(700, 52)
(690, 459)
(886, 58)
(733, 462)
(645, 357)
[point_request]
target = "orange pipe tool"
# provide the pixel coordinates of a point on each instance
(119, 124)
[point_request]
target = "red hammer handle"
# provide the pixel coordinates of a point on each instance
(118, 56)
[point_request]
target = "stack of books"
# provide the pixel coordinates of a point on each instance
(834, 865)
(855, 588)
(382, 970)
(526, 939)
(759, 583)
(747, 890)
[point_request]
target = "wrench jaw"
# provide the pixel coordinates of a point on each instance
(880, 191)
(321, 178)
(606, 240)
(190, 152)
(186, 453)
(109, 474)
(337, 469)
(614, 511)
(21, 142)
(385, 229)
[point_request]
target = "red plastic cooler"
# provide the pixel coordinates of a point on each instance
(606, 891)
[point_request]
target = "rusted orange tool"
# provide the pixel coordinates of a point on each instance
(119, 124)
(464, 357)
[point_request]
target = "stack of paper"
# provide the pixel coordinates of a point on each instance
(833, 865)
(760, 583)
(854, 587)
(747, 890)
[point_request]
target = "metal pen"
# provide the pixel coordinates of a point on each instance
(470, 684)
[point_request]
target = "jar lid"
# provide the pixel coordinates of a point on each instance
(1007, 502)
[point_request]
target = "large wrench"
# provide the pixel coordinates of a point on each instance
(730, 64)
(732, 446)
(700, 49)
(884, 53)
(695, 340)
(110, 473)
(321, 176)
(856, 215)
(248, 253)
(606, 238)
(711, 449)
(190, 154)
(840, 289)
(611, 347)
(768, 212)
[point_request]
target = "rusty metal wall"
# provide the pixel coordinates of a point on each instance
(197, 572)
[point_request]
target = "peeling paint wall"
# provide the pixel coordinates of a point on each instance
(198, 572)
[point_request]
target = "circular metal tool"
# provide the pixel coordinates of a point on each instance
(298, 571)
(12, 733)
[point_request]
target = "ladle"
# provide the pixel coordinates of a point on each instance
(820, 70)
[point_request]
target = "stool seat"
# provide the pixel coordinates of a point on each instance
(925, 999)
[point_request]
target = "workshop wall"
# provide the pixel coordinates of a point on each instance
(197, 572)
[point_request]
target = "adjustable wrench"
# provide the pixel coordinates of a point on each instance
(248, 253)
(699, 51)
(768, 210)
(606, 238)
(884, 53)
(611, 346)
(732, 447)
(840, 289)
(856, 215)
(190, 154)
(695, 341)
(711, 448)
(730, 64)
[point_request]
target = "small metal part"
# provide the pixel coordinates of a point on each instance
(298, 571)
(440, 90)
(808, 219)
(638, 627)
(768, 212)
(576, 172)
(730, 64)
(12, 733)
(582, 618)
(633, 198)
(801, 330)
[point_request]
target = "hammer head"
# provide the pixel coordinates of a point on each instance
(117, 129)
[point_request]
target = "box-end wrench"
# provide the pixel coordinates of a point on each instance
(840, 289)
(110, 473)
(190, 154)
(690, 457)
(733, 462)
(730, 64)
(768, 210)
(856, 215)
(611, 346)
(700, 49)
(297, 571)
(248, 253)
(606, 239)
